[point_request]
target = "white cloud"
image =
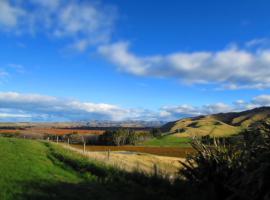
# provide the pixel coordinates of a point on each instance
(232, 68)
(217, 108)
(34, 107)
(9, 14)
(118, 54)
(262, 100)
(9, 115)
(85, 23)
(52, 108)
(176, 112)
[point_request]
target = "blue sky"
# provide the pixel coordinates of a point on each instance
(139, 60)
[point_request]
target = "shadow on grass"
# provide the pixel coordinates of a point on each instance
(98, 182)
(94, 190)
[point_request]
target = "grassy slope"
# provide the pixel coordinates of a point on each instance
(168, 141)
(204, 126)
(23, 162)
(218, 125)
(38, 170)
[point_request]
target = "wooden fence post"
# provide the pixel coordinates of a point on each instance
(108, 154)
(83, 140)
(57, 139)
(68, 141)
(155, 170)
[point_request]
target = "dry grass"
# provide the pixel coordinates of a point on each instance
(131, 161)
(203, 126)
(217, 125)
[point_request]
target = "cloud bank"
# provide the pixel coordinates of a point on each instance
(34, 107)
(233, 68)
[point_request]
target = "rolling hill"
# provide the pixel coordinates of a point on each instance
(222, 124)
(32, 169)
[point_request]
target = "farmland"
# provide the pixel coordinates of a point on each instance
(164, 146)
(168, 141)
(50, 131)
(179, 152)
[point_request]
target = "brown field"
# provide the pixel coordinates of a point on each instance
(179, 152)
(52, 131)
(9, 131)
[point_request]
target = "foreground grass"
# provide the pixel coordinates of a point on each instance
(39, 170)
(168, 141)
(23, 164)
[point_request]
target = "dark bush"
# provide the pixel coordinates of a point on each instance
(232, 171)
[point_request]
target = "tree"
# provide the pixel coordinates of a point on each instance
(156, 132)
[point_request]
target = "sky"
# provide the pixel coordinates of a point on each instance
(73, 60)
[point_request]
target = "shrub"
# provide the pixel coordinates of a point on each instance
(232, 171)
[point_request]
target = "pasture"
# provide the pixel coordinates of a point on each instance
(41, 170)
(168, 141)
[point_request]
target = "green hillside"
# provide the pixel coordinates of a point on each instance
(168, 141)
(222, 124)
(39, 170)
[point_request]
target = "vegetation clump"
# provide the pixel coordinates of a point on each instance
(240, 170)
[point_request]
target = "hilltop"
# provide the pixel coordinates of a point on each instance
(221, 124)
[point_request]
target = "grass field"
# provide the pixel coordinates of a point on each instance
(25, 165)
(130, 161)
(38, 170)
(168, 141)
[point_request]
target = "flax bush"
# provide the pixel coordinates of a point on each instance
(238, 170)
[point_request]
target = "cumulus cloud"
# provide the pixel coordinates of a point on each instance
(44, 108)
(262, 100)
(9, 14)
(84, 22)
(233, 68)
(180, 111)
(34, 107)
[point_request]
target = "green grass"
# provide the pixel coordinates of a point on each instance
(23, 162)
(39, 170)
(168, 141)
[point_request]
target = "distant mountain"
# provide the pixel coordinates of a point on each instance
(86, 124)
(129, 123)
(222, 124)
